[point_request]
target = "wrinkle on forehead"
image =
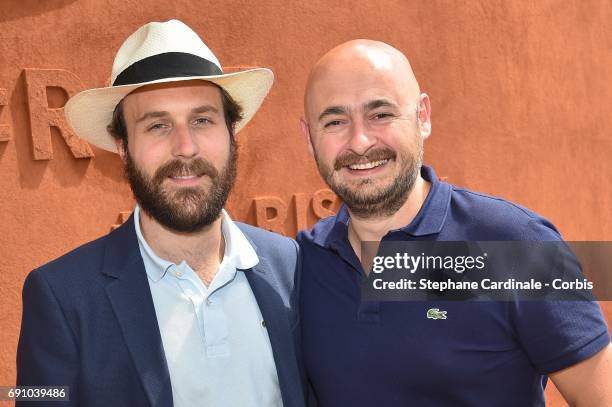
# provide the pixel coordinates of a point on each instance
(362, 59)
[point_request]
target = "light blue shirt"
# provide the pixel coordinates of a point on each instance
(215, 341)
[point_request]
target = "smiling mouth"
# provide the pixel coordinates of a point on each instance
(189, 179)
(368, 165)
(182, 177)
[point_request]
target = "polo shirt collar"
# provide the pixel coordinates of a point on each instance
(429, 220)
(238, 250)
(432, 215)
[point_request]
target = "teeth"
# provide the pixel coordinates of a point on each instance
(184, 176)
(367, 166)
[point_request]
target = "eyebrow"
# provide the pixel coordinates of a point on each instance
(158, 114)
(333, 110)
(151, 115)
(375, 104)
(205, 109)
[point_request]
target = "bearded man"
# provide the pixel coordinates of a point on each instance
(180, 305)
(365, 122)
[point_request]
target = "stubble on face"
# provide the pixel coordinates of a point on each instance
(365, 198)
(186, 209)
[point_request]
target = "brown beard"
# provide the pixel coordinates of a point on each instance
(188, 209)
(382, 201)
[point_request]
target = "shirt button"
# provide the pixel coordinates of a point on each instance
(179, 274)
(263, 323)
(208, 302)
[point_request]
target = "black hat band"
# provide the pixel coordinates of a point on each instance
(166, 65)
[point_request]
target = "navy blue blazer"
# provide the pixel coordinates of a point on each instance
(89, 322)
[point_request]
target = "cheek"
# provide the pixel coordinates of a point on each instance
(147, 156)
(215, 150)
(327, 149)
(402, 138)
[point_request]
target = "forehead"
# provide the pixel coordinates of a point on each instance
(174, 96)
(354, 87)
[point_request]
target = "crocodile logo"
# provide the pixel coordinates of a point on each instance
(435, 313)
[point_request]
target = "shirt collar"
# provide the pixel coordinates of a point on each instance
(429, 220)
(238, 251)
(237, 246)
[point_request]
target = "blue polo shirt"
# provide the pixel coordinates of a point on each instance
(386, 354)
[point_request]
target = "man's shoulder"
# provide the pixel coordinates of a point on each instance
(87, 260)
(496, 218)
(318, 233)
(74, 278)
(80, 260)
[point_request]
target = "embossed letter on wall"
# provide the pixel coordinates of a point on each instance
(5, 130)
(43, 117)
(271, 211)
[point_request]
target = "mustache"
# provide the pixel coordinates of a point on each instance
(349, 157)
(198, 167)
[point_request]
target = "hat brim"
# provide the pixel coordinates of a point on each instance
(91, 111)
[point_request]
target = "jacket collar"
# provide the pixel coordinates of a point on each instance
(130, 297)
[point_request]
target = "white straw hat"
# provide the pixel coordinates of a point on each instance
(157, 53)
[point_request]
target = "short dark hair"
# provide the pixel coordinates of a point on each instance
(231, 110)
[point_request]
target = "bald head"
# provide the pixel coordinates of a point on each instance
(365, 122)
(360, 64)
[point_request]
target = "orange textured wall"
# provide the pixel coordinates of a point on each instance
(521, 108)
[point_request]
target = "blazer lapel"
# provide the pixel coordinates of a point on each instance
(265, 288)
(132, 304)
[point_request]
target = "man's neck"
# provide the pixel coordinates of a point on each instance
(373, 229)
(202, 250)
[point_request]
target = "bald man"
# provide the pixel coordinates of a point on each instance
(365, 122)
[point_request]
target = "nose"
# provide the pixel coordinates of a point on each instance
(361, 140)
(183, 143)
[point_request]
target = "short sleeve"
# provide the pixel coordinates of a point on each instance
(557, 334)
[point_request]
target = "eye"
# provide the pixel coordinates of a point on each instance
(202, 121)
(157, 126)
(332, 123)
(382, 116)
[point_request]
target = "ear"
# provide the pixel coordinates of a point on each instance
(306, 133)
(424, 115)
(121, 149)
